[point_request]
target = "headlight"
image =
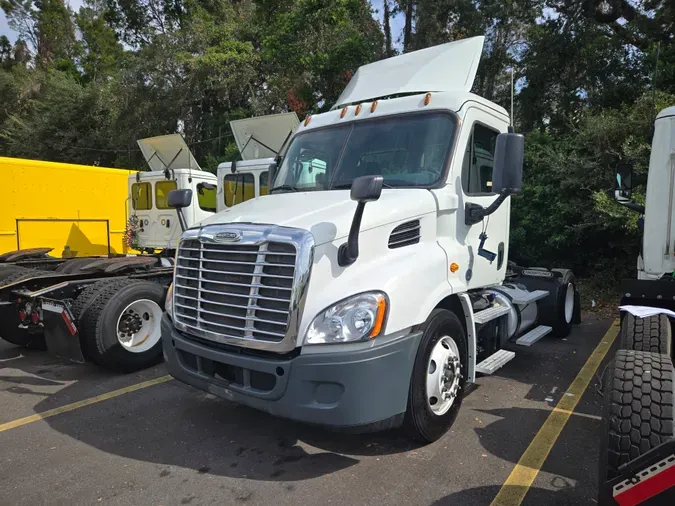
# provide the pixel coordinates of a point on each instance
(354, 319)
(168, 303)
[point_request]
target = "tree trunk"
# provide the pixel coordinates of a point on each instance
(407, 31)
(389, 50)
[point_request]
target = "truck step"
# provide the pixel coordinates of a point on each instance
(495, 361)
(489, 314)
(533, 335)
(530, 297)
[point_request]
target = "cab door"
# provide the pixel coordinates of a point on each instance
(481, 240)
(165, 227)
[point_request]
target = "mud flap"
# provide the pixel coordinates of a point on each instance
(647, 480)
(576, 316)
(61, 334)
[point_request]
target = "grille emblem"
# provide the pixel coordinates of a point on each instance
(227, 237)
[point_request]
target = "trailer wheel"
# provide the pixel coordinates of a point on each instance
(120, 328)
(435, 394)
(638, 408)
(647, 334)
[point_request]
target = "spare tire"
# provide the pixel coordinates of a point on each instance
(653, 333)
(638, 408)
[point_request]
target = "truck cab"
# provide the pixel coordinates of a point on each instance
(259, 141)
(173, 167)
(242, 181)
(372, 283)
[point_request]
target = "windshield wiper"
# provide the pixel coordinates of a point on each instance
(286, 187)
(345, 186)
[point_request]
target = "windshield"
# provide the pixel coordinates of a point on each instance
(408, 151)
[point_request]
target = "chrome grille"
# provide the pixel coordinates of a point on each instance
(235, 291)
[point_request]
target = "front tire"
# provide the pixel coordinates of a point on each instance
(437, 381)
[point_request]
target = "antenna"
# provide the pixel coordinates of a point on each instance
(512, 96)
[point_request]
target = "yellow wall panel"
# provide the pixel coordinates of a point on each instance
(60, 205)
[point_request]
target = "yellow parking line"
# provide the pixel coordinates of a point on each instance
(81, 404)
(521, 478)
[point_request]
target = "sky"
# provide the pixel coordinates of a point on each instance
(396, 23)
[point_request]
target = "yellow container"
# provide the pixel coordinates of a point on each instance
(77, 210)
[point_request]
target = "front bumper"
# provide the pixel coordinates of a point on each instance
(360, 389)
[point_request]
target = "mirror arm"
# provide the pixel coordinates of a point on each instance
(474, 213)
(181, 220)
(349, 251)
(634, 207)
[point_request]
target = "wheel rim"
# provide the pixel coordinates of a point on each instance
(569, 303)
(443, 375)
(138, 326)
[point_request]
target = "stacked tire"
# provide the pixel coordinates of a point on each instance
(639, 394)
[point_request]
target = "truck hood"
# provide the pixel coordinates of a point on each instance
(327, 214)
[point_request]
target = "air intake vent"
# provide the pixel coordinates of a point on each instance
(405, 235)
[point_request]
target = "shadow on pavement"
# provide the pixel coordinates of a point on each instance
(175, 425)
(534, 497)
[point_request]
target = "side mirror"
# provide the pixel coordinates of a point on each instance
(623, 182)
(364, 189)
(367, 188)
(201, 187)
(271, 172)
(508, 169)
(178, 199)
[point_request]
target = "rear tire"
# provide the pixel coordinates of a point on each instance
(558, 310)
(104, 306)
(638, 408)
(652, 334)
(421, 422)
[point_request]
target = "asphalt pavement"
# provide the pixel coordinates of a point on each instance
(163, 443)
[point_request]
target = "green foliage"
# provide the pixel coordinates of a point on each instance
(82, 87)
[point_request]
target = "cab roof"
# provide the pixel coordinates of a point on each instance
(445, 67)
(668, 111)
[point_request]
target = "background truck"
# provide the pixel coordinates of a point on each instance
(637, 452)
(108, 308)
(372, 284)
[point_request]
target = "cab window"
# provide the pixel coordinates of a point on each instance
(264, 189)
(206, 196)
(238, 188)
(141, 196)
(162, 189)
(479, 160)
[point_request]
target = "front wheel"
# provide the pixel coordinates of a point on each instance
(437, 380)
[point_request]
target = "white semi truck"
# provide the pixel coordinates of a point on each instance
(372, 283)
